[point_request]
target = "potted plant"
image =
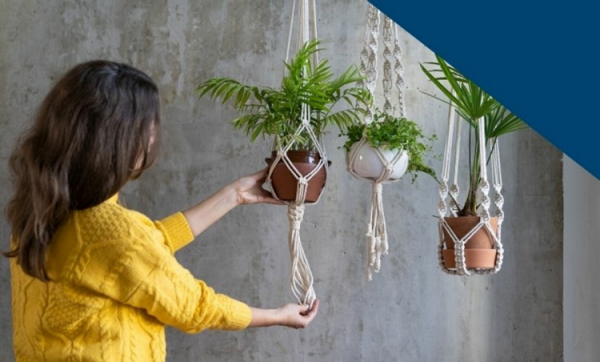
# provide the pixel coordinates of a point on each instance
(390, 135)
(277, 112)
(472, 103)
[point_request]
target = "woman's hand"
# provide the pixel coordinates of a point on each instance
(290, 315)
(297, 316)
(249, 190)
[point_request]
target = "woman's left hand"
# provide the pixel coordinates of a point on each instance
(249, 190)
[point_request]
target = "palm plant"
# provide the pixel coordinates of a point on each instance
(472, 103)
(277, 112)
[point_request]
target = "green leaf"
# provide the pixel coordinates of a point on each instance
(277, 111)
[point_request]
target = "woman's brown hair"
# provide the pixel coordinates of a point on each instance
(92, 133)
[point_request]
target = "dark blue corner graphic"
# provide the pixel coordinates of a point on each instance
(538, 60)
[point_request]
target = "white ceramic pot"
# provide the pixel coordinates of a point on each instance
(367, 163)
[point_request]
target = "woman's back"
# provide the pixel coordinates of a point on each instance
(113, 276)
(69, 317)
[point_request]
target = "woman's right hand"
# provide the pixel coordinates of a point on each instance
(249, 190)
(246, 190)
(290, 315)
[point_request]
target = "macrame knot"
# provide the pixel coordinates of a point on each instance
(499, 200)
(295, 215)
(377, 245)
(442, 207)
(443, 188)
(364, 56)
(485, 186)
(377, 189)
(485, 201)
(372, 245)
(384, 244)
(485, 215)
(454, 190)
(386, 82)
(376, 264)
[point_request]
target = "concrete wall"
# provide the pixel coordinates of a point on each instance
(581, 249)
(411, 311)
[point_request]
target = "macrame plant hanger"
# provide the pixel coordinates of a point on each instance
(301, 274)
(377, 238)
(483, 190)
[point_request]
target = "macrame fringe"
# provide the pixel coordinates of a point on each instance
(377, 239)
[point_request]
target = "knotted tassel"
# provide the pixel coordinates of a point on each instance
(302, 278)
(377, 243)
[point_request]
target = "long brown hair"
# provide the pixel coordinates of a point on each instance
(91, 134)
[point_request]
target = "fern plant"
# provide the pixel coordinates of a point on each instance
(472, 103)
(277, 112)
(393, 133)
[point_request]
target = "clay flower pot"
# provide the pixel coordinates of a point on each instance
(367, 163)
(285, 183)
(479, 252)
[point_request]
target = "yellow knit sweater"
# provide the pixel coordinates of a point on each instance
(115, 285)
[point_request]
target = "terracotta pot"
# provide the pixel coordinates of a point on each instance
(367, 163)
(285, 183)
(475, 258)
(479, 252)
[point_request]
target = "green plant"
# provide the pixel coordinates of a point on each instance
(277, 112)
(472, 103)
(392, 133)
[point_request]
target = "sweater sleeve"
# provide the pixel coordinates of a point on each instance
(176, 231)
(133, 267)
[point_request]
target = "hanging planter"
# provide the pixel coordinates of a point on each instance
(389, 146)
(470, 236)
(285, 183)
(382, 152)
(296, 115)
(383, 147)
(370, 162)
(285, 114)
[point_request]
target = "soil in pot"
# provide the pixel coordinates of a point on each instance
(479, 252)
(285, 183)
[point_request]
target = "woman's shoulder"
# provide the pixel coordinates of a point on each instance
(106, 227)
(111, 221)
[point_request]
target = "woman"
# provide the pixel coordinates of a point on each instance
(92, 280)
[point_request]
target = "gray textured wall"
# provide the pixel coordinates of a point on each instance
(582, 287)
(411, 311)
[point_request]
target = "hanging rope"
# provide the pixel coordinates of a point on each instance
(302, 279)
(394, 163)
(399, 70)
(301, 274)
(368, 56)
(387, 65)
(498, 201)
(484, 220)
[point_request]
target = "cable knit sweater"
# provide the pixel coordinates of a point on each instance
(115, 285)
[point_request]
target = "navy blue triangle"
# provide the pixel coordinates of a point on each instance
(537, 59)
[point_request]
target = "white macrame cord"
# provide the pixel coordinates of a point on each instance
(377, 238)
(301, 274)
(445, 210)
